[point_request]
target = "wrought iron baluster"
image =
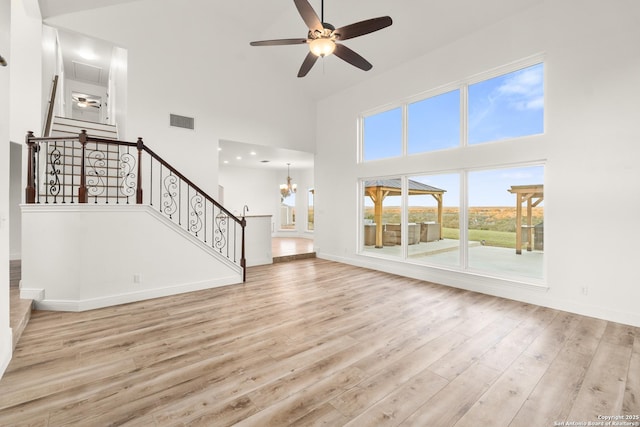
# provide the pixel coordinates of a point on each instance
(150, 180)
(195, 223)
(169, 195)
(139, 147)
(73, 169)
(127, 165)
(64, 169)
(205, 221)
(160, 192)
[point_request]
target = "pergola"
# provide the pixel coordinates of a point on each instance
(377, 190)
(532, 195)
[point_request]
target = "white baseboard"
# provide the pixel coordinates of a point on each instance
(124, 298)
(32, 293)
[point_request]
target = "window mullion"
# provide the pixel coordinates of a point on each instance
(464, 220)
(464, 115)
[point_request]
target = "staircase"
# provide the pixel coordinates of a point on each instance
(153, 210)
(66, 127)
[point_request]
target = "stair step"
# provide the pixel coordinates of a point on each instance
(74, 126)
(20, 309)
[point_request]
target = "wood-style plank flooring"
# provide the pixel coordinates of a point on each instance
(314, 342)
(288, 246)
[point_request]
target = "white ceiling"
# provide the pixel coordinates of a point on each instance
(237, 154)
(85, 59)
(419, 26)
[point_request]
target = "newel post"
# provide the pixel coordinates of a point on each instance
(30, 191)
(140, 147)
(243, 261)
(82, 190)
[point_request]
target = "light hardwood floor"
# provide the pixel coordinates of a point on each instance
(314, 342)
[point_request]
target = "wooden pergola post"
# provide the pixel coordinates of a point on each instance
(533, 195)
(378, 190)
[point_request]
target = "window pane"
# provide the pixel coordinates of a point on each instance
(383, 135)
(493, 221)
(288, 212)
(382, 216)
(507, 106)
(434, 219)
(434, 123)
(310, 225)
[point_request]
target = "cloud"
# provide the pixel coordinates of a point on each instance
(524, 89)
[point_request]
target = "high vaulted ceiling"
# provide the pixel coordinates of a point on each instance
(419, 26)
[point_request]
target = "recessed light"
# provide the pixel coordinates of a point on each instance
(253, 153)
(238, 158)
(226, 162)
(88, 55)
(219, 148)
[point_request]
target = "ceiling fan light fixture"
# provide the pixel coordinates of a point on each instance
(322, 46)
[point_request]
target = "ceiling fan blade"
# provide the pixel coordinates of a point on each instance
(278, 42)
(352, 57)
(309, 16)
(363, 27)
(307, 64)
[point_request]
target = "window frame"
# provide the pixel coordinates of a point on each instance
(462, 160)
(463, 86)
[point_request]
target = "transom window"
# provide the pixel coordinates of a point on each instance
(510, 105)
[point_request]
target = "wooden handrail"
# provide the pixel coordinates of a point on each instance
(52, 99)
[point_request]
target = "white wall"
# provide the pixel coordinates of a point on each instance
(5, 330)
(106, 247)
(592, 188)
(15, 198)
(178, 72)
(25, 93)
(259, 189)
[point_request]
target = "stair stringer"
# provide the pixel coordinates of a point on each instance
(82, 257)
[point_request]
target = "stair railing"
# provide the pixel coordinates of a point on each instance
(52, 100)
(84, 169)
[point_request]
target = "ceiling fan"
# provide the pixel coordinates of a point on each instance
(83, 101)
(323, 37)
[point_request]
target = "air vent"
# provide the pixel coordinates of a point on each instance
(181, 121)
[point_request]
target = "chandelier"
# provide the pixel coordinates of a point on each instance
(287, 189)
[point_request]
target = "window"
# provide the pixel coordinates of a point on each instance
(288, 212)
(434, 213)
(310, 225)
(434, 123)
(507, 106)
(494, 196)
(383, 216)
(485, 221)
(382, 136)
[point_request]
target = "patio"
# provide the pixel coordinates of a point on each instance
(489, 259)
